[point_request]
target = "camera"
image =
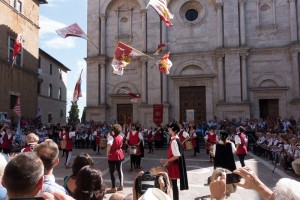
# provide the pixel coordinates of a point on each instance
(232, 178)
(147, 180)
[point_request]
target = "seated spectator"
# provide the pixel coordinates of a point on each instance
(89, 184)
(80, 161)
(296, 162)
(27, 165)
(289, 157)
(31, 141)
(48, 153)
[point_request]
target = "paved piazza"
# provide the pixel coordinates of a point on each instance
(199, 168)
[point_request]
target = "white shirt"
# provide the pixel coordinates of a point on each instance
(174, 147)
(133, 133)
(184, 134)
(221, 142)
(237, 139)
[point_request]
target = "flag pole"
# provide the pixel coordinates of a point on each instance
(91, 41)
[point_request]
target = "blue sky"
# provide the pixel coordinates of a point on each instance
(70, 51)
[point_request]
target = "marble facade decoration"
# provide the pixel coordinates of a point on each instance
(242, 51)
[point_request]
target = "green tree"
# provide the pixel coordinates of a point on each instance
(73, 114)
(83, 117)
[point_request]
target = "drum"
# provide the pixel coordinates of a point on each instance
(188, 145)
(132, 150)
(63, 144)
(211, 151)
(103, 143)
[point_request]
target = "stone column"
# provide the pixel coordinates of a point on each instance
(242, 22)
(293, 19)
(221, 78)
(244, 78)
(103, 31)
(103, 84)
(219, 7)
(165, 88)
(144, 80)
(295, 72)
(144, 30)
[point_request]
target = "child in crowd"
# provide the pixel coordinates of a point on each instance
(32, 140)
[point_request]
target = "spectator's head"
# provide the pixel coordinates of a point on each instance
(286, 189)
(89, 184)
(117, 128)
(117, 196)
(23, 176)
(48, 153)
(80, 161)
(241, 129)
(32, 138)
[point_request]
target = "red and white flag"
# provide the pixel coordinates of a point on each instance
(17, 108)
(162, 10)
(77, 90)
(17, 47)
(72, 30)
(133, 96)
(123, 56)
(164, 64)
(161, 46)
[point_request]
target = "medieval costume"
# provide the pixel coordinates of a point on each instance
(183, 136)
(241, 145)
(176, 162)
(195, 140)
(115, 157)
(134, 139)
(150, 140)
(224, 150)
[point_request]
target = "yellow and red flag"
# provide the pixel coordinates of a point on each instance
(123, 56)
(164, 64)
(160, 6)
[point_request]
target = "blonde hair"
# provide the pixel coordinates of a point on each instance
(32, 138)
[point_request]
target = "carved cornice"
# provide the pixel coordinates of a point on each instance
(242, 2)
(96, 59)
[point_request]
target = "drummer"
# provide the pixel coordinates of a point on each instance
(133, 140)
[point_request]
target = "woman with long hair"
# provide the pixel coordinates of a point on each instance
(176, 162)
(89, 184)
(115, 157)
(80, 161)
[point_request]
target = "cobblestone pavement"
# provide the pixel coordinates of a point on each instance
(199, 169)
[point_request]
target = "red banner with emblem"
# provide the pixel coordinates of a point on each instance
(158, 113)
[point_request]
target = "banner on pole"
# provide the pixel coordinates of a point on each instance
(158, 113)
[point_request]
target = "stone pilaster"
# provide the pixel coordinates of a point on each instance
(295, 74)
(103, 34)
(244, 78)
(92, 84)
(221, 78)
(165, 88)
(293, 20)
(144, 30)
(144, 80)
(219, 7)
(102, 84)
(242, 22)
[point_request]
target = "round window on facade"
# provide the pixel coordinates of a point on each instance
(191, 15)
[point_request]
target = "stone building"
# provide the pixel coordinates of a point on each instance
(52, 91)
(19, 16)
(231, 59)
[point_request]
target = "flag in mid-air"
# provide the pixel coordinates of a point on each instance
(123, 56)
(17, 108)
(164, 64)
(72, 30)
(77, 90)
(17, 47)
(159, 49)
(134, 97)
(162, 10)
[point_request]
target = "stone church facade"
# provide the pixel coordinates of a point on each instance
(231, 59)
